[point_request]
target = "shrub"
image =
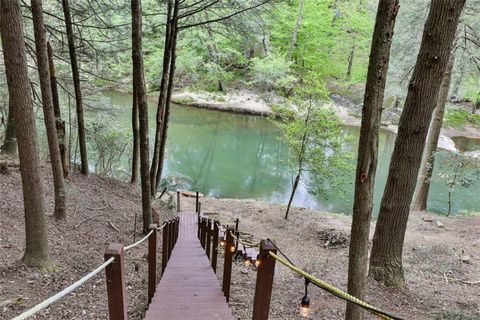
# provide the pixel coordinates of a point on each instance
(271, 73)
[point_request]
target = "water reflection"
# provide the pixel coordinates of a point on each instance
(238, 156)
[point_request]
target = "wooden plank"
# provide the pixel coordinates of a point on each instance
(189, 289)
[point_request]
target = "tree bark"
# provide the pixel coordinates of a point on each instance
(60, 125)
(136, 137)
(9, 145)
(13, 43)
(162, 99)
(298, 24)
(294, 189)
(350, 63)
(426, 171)
(368, 152)
(166, 116)
(139, 80)
(439, 32)
(76, 84)
(48, 114)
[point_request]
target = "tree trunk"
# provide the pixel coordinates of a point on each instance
(60, 125)
(161, 99)
(368, 153)
(139, 79)
(10, 142)
(298, 23)
(166, 116)
(13, 43)
(76, 84)
(439, 32)
(136, 137)
(350, 63)
(426, 171)
(48, 114)
(294, 189)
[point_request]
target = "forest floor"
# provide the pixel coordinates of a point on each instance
(100, 211)
(441, 256)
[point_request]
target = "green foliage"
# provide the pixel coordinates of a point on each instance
(460, 117)
(326, 37)
(314, 136)
(456, 171)
(271, 72)
(107, 142)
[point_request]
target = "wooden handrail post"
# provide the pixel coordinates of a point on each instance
(202, 233)
(199, 225)
(227, 266)
(196, 201)
(263, 287)
(178, 201)
(177, 229)
(237, 233)
(115, 272)
(199, 208)
(152, 262)
(215, 245)
(164, 246)
(171, 238)
(208, 234)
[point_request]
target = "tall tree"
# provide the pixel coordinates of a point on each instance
(426, 170)
(135, 138)
(9, 145)
(167, 53)
(13, 43)
(439, 32)
(368, 152)
(298, 23)
(139, 80)
(56, 109)
(76, 84)
(48, 113)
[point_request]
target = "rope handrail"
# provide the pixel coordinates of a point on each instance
(64, 292)
(244, 243)
(161, 227)
(335, 291)
(139, 241)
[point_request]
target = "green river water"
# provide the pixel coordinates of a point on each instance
(240, 156)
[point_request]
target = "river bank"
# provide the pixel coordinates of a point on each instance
(441, 255)
(250, 102)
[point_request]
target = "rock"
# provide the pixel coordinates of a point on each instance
(465, 258)
(244, 271)
(440, 225)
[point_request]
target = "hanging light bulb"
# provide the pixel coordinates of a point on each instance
(257, 261)
(232, 249)
(246, 260)
(222, 242)
(305, 303)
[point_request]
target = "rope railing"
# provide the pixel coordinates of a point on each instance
(64, 292)
(139, 242)
(333, 290)
(269, 249)
(115, 252)
(245, 243)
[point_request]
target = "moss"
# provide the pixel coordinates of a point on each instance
(183, 100)
(456, 117)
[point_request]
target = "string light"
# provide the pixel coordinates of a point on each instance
(246, 260)
(305, 303)
(232, 249)
(257, 262)
(222, 242)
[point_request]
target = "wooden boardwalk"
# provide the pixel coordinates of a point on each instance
(189, 289)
